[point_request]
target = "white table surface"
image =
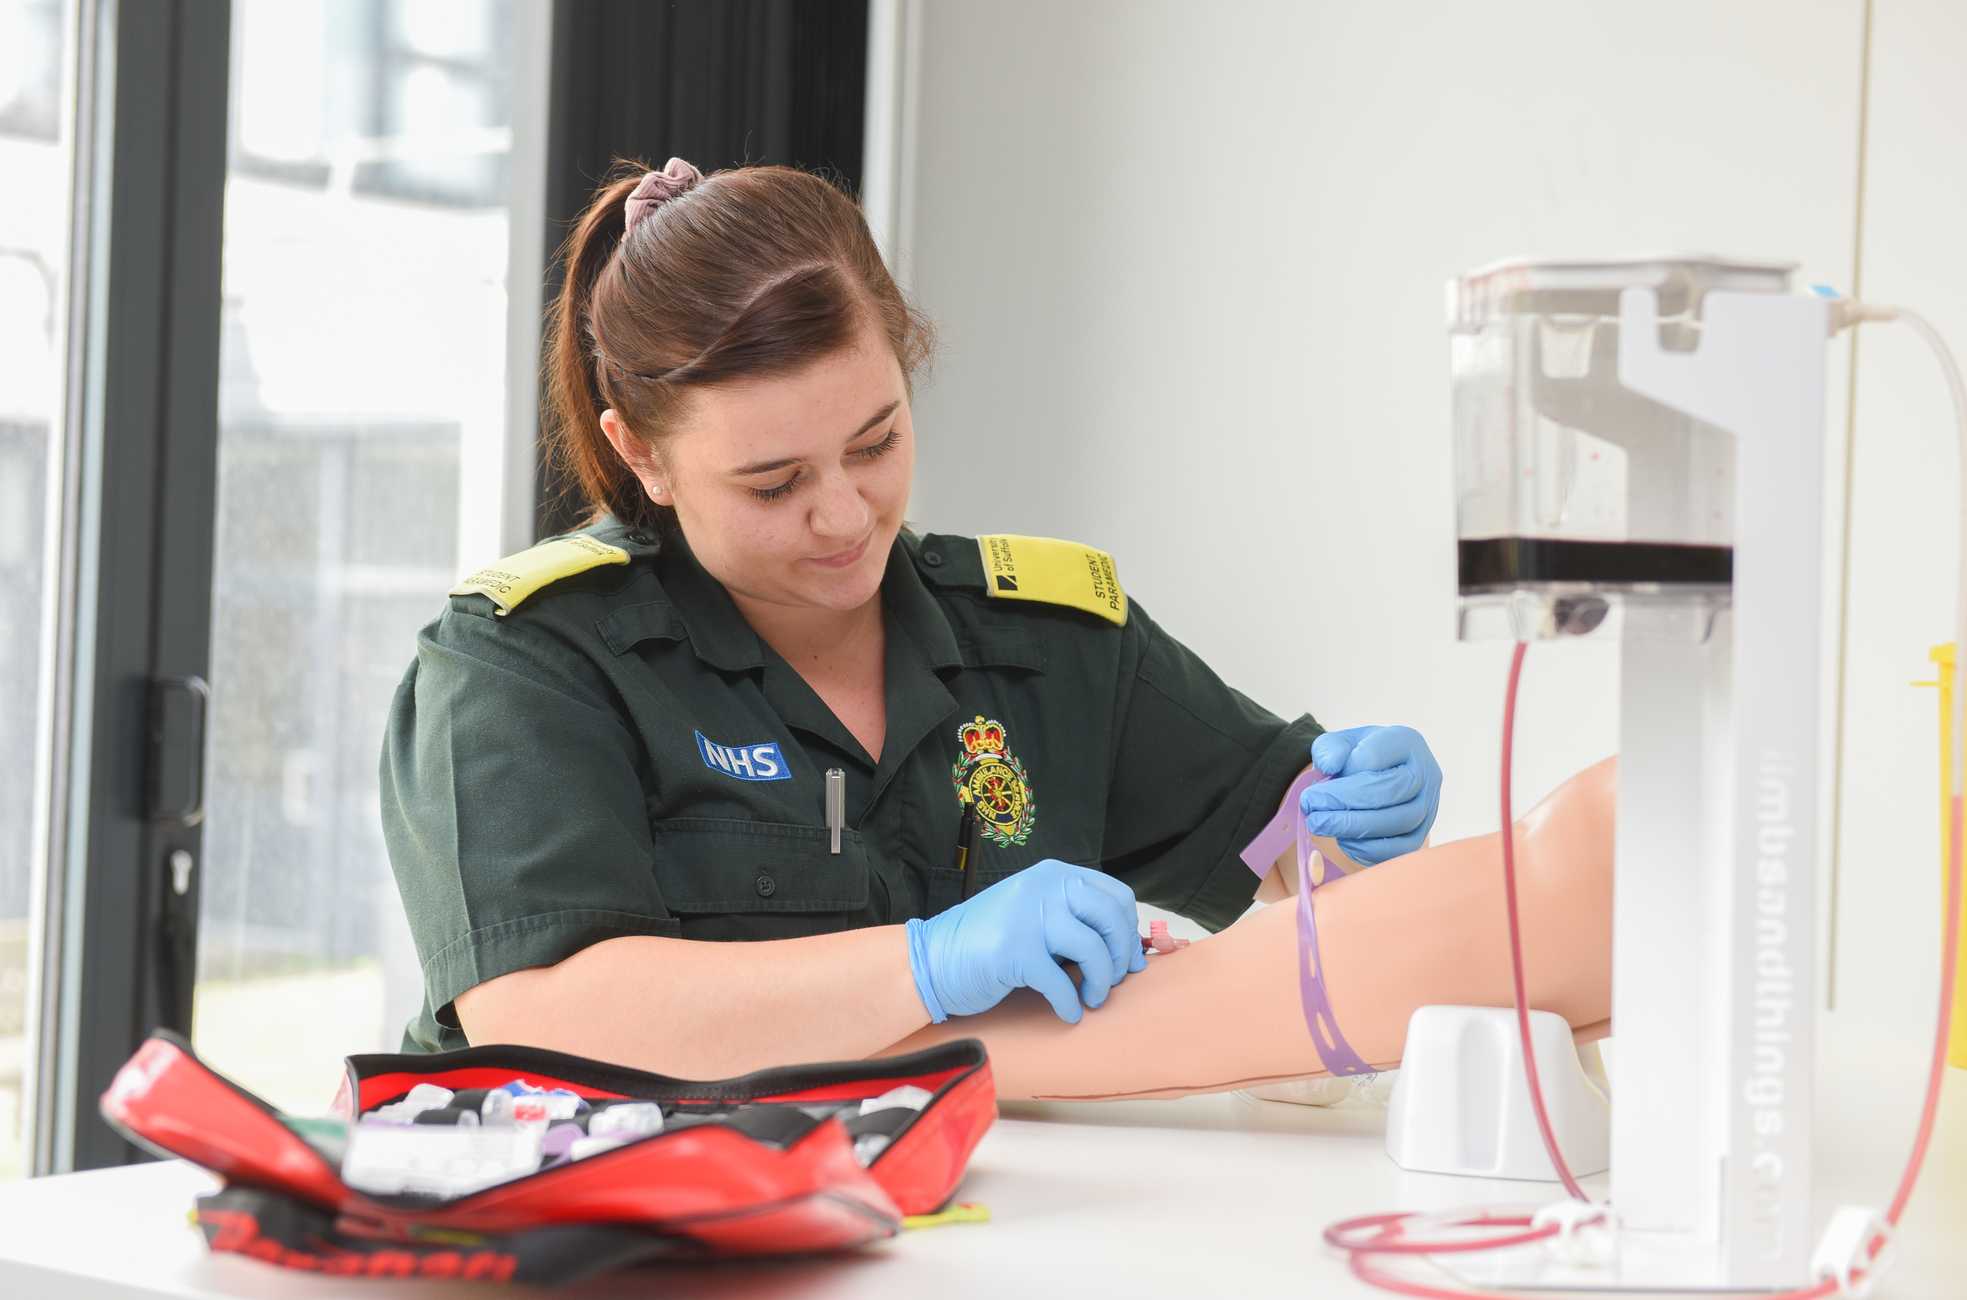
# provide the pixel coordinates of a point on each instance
(1218, 1195)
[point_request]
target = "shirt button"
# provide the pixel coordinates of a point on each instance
(934, 559)
(767, 886)
(638, 538)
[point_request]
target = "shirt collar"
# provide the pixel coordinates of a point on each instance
(913, 610)
(717, 631)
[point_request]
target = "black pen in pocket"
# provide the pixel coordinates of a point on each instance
(969, 848)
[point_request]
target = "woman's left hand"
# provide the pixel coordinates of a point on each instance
(1383, 795)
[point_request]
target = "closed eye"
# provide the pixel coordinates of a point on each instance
(883, 447)
(774, 493)
(873, 452)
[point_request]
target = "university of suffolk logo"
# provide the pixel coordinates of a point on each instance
(992, 779)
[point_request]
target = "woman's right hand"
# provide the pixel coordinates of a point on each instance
(1014, 935)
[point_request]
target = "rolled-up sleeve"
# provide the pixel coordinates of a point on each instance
(1197, 770)
(512, 807)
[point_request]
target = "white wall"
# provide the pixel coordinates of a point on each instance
(1188, 261)
(1907, 511)
(1189, 266)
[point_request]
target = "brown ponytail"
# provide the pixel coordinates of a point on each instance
(748, 273)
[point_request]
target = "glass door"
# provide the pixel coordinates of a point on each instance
(37, 55)
(363, 392)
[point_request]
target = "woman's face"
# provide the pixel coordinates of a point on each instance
(791, 490)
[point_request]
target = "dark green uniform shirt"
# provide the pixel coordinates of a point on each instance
(622, 755)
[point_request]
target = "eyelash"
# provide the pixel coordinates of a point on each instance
(879, 449)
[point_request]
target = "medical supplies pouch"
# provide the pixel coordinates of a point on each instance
(759, 1165)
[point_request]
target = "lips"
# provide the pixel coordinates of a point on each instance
(841, 559)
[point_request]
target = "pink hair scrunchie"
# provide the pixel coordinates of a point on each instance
(676, 177)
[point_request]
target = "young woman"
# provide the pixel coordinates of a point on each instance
(617, 751)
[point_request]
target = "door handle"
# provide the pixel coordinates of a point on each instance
(175, 770)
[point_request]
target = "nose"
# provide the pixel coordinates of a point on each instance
(840, 513)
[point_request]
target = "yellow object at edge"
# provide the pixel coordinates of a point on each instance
(1054, 572)
(1957, 1034)
(510, 581)
(967, 1212)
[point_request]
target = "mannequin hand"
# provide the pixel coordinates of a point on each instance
(1014, 935)
(1384, 792)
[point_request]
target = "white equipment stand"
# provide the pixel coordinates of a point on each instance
(1713, 964)
(1713, 948)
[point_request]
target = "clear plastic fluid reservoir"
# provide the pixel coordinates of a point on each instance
(1579, 503)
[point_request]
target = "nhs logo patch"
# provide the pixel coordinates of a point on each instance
(745, 762)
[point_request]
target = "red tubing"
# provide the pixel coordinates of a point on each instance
(1385, 1234)
(1516, 934)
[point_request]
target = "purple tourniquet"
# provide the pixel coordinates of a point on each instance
(1275, 837)
(1333, 1050)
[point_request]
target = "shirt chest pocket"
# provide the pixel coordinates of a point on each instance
(728, 878)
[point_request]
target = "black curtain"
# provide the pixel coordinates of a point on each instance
(719, 82)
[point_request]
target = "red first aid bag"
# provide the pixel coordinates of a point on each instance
(757, 1165)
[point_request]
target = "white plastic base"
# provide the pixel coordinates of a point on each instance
(1462, 1102)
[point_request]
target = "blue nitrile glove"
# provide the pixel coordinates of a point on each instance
(1015, 934)
(1383, 795)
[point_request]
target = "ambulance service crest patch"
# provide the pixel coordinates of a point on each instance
(991, 777)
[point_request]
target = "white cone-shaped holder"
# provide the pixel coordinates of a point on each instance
(1462, 1102)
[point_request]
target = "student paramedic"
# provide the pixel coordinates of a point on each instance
(614, 746)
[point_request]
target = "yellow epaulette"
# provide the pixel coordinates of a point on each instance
(1055, 572)
(515, 578)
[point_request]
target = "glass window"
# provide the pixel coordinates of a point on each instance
(34, 45)
(362, 373)
(390, 97)
(36, 49)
